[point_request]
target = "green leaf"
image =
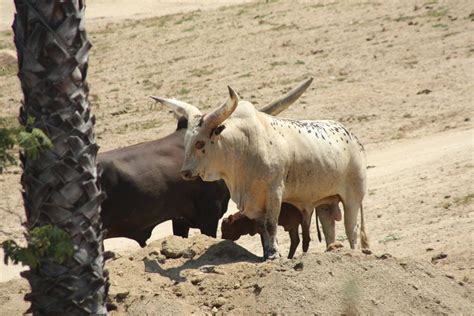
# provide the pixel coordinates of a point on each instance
(44, 241)
(34, 142)
(7, 142)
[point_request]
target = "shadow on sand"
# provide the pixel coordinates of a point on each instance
(224, 252)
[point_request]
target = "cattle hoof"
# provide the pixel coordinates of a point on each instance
(334, 246)
(366, 251)
(272, 255)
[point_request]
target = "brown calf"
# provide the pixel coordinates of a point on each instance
(290, 218)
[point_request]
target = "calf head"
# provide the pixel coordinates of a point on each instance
(237, 225)
(202, 135)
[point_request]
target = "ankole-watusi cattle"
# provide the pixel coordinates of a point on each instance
(144, 186)
(265, 161)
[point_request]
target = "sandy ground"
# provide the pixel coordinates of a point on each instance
(100, 12)
(398, 74)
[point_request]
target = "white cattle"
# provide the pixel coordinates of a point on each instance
(265, 160)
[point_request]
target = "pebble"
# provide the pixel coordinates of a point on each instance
(219, 302)
(172, 248)
(299, 266)
(161, 259)
(208, 269)
(121, 296)
(196, 280)
(424, 91)
(257, 289)
(189, 253)
(439, 256)
(384, 256)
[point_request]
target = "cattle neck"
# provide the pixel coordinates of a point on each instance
(226, 154)
(230, 157)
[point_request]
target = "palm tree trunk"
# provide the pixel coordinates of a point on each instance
(61, 187)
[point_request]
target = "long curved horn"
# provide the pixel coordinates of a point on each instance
(219, 115)
(179, 107)
(277, 106)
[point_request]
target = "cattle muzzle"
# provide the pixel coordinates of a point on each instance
(188, 175)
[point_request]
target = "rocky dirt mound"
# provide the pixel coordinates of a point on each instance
(203, 275)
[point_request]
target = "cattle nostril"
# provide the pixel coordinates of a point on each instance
(186, 174)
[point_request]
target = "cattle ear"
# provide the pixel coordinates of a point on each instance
(219, 129)
(182, 123)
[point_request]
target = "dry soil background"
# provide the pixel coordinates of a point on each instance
(399, 74)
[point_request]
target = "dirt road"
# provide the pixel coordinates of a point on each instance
(100, 12)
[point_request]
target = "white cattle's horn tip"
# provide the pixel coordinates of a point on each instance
(232, 92)
(156, 98)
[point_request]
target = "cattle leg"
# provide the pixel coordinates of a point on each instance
(295, 241)
(305, 228)
(272, 213)
(210, 228)
(328, 223)
(141, 236)
(180, 228)
(272, 251)
(364, 238)
(263, 242)
(351, 211)
(264, 238)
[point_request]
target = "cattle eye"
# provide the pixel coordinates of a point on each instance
(199, 144)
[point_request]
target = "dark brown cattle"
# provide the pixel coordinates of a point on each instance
(290, 218)
(144, 188)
